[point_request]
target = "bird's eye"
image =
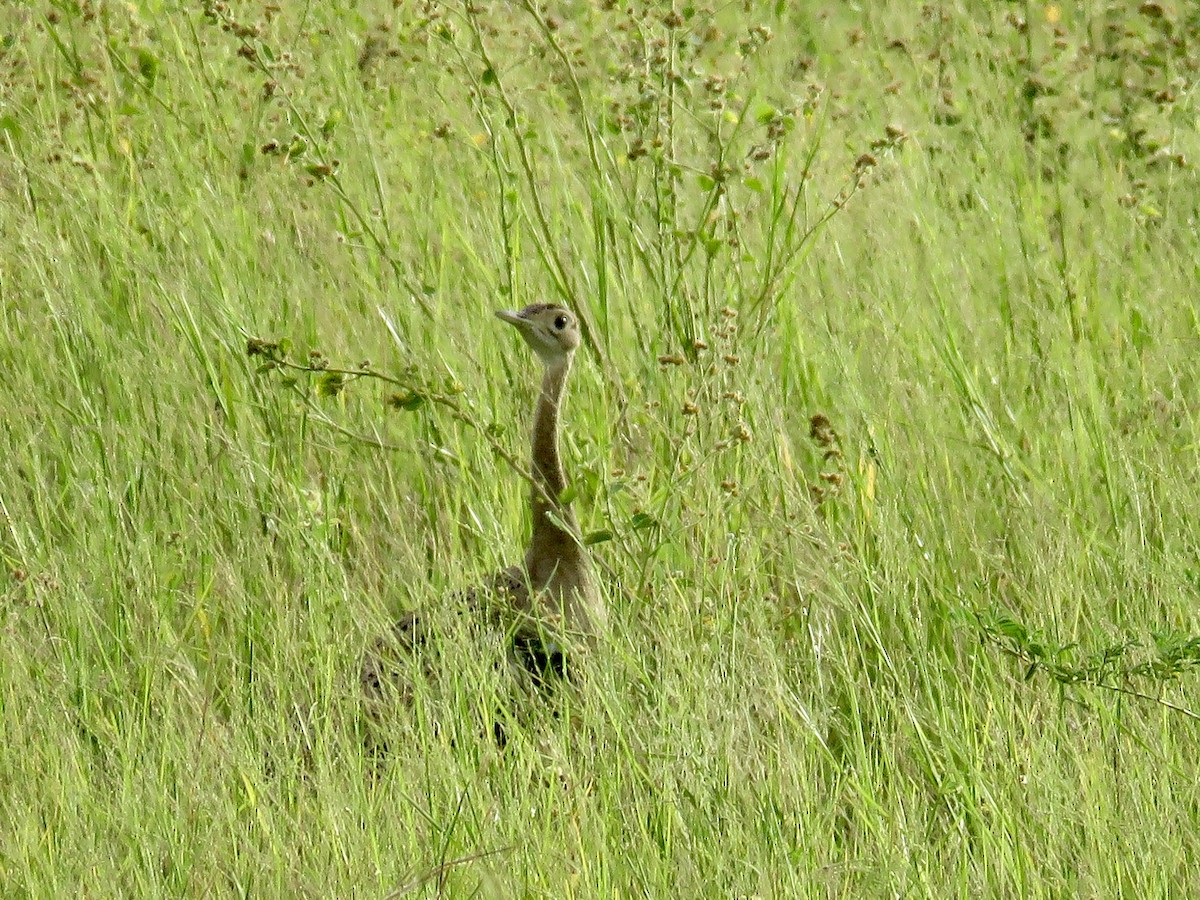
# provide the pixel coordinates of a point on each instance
(560, 323)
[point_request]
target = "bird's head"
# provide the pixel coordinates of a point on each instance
(552, 331)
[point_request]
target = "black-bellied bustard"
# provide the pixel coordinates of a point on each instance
(550, 604)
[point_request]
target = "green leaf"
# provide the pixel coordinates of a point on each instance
(755, 184)
(557, 520)
(1139, 332)
(764, 113)
(597, 537)
(407, 400)
(148, 65)
(331, 122)
(641, 521)
(446, 456)
(1006, 626)
(321, 171)
(330, 384)
(569, 493)
(705, 181)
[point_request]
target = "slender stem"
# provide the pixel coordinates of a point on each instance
(1054, 672)
(319, 415)
(442, 400)
(1141, 696)
(440, 871)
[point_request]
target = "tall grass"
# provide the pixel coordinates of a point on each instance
(888, 417)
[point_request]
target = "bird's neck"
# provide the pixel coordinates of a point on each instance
(548, 475)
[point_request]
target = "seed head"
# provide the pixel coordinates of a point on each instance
(865, 162)
(820, 430)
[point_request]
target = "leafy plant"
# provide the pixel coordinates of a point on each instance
(1119, 667)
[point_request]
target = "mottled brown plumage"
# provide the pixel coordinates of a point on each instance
(550, 604)
(562, 599)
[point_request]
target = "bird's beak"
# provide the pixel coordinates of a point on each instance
(512, 318)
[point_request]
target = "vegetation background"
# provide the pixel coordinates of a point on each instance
(886, 439)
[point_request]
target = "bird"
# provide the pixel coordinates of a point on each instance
(550, 604)
(555, 596)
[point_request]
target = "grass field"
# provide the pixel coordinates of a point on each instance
(887, 435)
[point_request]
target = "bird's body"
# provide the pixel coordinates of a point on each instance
(550, 605)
